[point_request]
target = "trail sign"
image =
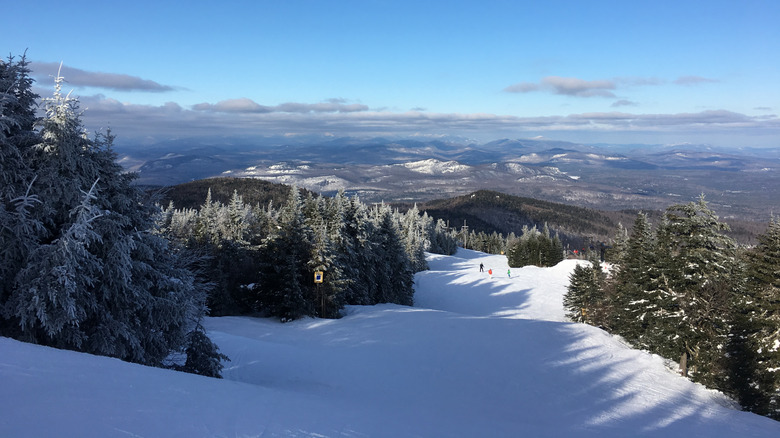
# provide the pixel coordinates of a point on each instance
(318, 276)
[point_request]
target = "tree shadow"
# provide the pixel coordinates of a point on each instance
(480, 296)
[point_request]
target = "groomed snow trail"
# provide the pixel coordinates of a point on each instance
(475, 357)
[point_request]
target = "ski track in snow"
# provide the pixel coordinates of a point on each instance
(475, 357)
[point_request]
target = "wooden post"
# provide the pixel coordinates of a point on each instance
(319, 277)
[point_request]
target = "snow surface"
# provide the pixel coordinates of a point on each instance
(476, 357)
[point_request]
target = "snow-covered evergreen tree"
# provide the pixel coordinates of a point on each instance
(700, 285)
(684, 294)
(360, 264)
(203, 357)
(53, 298)
(285, 287)
(756, 341)
(327, 223)
(395, 272)
(17, 122)
(209, 218)
(20, 225)
(330, 292)
(636, 296)
(97, 277)
(412, 229)
(443, 241)
(237, 220)
(535, 248)
(584, 299)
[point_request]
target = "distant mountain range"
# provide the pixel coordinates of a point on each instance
(738, 183)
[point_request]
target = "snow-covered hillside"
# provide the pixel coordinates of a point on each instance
(434, 167)
(476, 357)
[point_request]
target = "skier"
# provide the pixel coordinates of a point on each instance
(509, 273)
(481, 267)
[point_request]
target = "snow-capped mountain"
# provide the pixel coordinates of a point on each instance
(433, 166)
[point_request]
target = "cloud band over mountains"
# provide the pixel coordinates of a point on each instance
(245, 117)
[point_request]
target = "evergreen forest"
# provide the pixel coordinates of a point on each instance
(687, 292)
(310, 256)
(532, 247)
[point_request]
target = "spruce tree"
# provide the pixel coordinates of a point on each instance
(756, 341)
(360, 249)
(555, 252)
(20, 225)
(637, 299)
(203, 357)
(18, 105)
(284, 288)
(327, 226)
(412, 229)
(53, 292)
(98, 277)
(699, 284)
(442, 241)
(330, 291)
(394, 269)
(535, 248)
(584, 299)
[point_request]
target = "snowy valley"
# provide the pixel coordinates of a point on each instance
(476, 356)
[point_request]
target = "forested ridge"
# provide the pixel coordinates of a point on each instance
(489, 211)
(252, 191)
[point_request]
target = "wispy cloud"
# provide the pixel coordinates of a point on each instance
(523, 87)
(577, 87)
(323, 107)
(636, 81)
(693, 80)
(567, 86)
(623, 102)
(245, 105)
(45, 72)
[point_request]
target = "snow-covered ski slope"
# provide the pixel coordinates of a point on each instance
(476, 357)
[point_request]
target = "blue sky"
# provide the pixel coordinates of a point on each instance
(588, 71)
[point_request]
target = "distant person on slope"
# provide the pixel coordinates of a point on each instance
(509, 273)
(481, 267)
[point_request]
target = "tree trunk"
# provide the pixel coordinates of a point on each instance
(684, 364)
